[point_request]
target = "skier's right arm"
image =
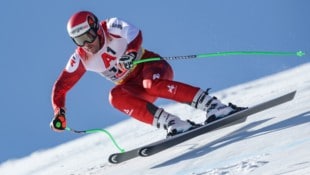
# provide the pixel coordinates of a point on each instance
(67, 79)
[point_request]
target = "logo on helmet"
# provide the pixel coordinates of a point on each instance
(78, 30)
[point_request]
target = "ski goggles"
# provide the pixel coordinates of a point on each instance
(87, 37)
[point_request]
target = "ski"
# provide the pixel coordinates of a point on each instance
(122, 157)
(239, 117)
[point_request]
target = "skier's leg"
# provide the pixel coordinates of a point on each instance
(163, 86)
(134, 101)
(139, 105)
(157, 80)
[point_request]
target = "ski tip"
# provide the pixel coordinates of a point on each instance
(113, 159)
(292, 94)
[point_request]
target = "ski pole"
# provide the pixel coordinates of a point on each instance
(89, 131)
(215, 54)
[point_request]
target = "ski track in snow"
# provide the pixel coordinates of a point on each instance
(273, 142)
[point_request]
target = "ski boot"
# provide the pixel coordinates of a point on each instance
(173, 124)
(215, 108)
(221, 112)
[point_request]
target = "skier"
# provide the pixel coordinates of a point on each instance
(109, 48)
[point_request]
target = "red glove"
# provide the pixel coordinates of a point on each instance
(58, 123)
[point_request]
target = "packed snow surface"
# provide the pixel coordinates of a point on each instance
(275, 141)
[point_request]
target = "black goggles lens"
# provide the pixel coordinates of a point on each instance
(88, 37)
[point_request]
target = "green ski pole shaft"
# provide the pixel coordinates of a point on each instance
(96, 131)
(216, 54)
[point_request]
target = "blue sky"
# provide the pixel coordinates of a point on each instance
(35, 48)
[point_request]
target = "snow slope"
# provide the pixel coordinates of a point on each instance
(275, 141)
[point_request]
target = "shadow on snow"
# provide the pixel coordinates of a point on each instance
(238, 135)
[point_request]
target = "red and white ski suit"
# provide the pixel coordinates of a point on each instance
(129, 95)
